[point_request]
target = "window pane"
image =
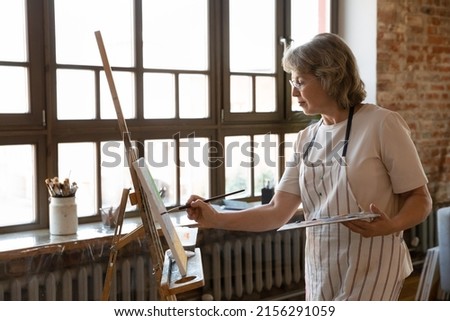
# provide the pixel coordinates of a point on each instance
(115, 174)
(308, 18)
(266, 161)
(241, 94)
(252, 42)
(265, 94)
(76, 22)
(193, 96)
(175, 34)
(124, 83)
(160, 157)
(14, 90)
(17, 193)
(77, 162)
(13, 28)
(194, 170)
(75, 94)
(159, 96)
(238, 164)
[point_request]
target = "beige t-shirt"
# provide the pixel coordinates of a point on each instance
(381, 157)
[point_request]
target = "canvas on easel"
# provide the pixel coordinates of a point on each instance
(161, 215)
(187, 273)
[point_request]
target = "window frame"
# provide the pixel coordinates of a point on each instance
(35, 119)
(42, 199)
(281, 31)
(42, 128)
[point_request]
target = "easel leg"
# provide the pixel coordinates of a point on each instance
(115, 244)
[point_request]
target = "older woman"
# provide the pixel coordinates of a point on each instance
(358, 157)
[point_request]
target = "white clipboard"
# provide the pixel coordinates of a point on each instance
(329, 220)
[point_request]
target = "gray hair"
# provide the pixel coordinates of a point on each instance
(329, 58)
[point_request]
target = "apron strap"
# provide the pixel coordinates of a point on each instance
(312, 141)
(348, 129)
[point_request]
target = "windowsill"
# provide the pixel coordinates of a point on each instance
(27, 243)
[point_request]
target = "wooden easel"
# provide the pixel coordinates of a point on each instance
(173, 279)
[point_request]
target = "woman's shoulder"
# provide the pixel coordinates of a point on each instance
(381, 117)
(374, 112)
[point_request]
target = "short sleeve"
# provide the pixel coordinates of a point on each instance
(400, 156)
(290, 180)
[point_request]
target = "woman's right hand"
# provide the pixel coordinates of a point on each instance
(203, 213)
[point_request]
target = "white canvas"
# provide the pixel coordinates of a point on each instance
(161, 215)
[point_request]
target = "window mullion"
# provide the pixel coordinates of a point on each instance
(138, 64)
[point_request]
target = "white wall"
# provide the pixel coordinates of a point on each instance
(358, 26)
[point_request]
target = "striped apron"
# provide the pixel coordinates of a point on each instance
(341, 264)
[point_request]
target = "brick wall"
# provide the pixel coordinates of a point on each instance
(413, 78)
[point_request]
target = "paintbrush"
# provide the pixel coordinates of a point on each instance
(183, 207)
(50, 187)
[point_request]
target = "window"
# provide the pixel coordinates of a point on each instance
(17, 164)
(307, 19)
(14, 81)
(206, 101)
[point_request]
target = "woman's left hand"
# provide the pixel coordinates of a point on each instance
(381, 225)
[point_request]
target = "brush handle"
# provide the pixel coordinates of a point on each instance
(183, 207)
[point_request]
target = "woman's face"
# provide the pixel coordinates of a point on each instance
(311, 97)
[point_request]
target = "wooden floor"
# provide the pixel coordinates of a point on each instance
(410, 287)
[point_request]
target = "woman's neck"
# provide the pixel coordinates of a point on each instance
(337, 115)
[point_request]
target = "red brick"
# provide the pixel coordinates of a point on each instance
(413, 77)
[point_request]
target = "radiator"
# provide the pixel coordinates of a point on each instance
(245, 266)
(132, 281)
(423, 236)
(254, 266)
